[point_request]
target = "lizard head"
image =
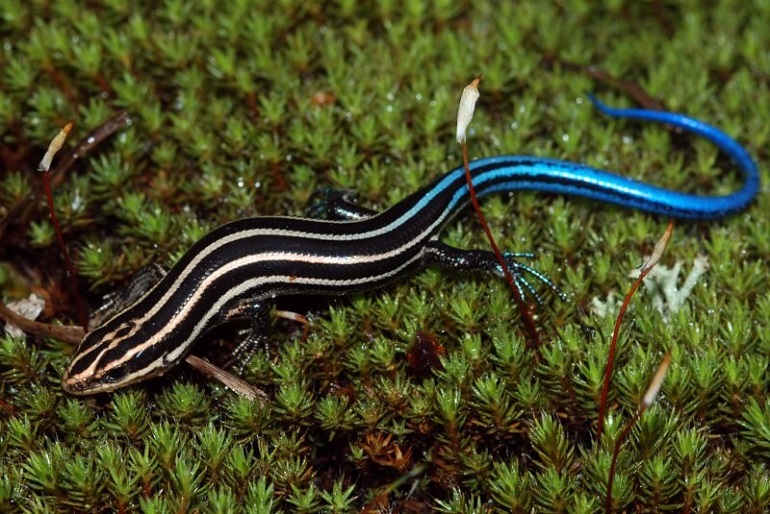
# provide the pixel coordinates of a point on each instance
(112, 356)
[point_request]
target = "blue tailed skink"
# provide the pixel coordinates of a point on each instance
(237, 269)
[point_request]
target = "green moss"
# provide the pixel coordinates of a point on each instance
(246, 108)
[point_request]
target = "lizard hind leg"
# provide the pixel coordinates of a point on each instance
(445, 256)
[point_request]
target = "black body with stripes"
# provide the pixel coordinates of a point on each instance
(251, 261)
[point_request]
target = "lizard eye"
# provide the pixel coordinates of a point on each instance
(113, 375)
